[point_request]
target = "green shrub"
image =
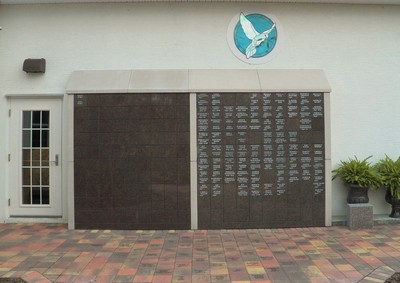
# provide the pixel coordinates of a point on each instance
(389, 170)
(358, 172)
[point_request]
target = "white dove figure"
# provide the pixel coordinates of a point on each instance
(255, 37)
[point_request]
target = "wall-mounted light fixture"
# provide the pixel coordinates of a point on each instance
(34, 65)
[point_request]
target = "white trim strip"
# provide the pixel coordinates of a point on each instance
(193, 162)
(328, 161)
(372, 2)
(32, 96)
(70, 163)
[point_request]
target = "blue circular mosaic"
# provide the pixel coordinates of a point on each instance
(255, 35)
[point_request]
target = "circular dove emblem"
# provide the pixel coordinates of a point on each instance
(254, 38)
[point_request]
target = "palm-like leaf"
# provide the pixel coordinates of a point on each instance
(389, 170)
(358, 172)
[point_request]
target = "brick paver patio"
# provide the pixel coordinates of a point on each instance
(52, 253)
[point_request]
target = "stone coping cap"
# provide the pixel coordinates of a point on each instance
(197, 80)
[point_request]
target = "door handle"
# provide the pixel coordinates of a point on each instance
(56, 159)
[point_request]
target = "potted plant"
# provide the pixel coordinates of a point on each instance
(360, 176)
(389, 170)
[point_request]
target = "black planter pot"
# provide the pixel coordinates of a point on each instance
(357, 194)
(395, 202)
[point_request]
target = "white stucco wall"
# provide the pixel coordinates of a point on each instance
(358, 47)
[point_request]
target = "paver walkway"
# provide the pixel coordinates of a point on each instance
(52, 253)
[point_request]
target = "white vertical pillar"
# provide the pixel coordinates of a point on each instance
(328, 160)
(70, 162)
(193, 162)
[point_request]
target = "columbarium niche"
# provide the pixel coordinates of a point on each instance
(199, 149)
(132, 166)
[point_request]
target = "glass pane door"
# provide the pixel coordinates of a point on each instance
(35, 158)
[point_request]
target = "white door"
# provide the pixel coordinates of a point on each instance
(35, 157)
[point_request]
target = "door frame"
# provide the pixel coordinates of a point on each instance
(60, 217)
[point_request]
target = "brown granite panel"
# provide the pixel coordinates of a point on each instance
(266, 152)
(132, 161)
